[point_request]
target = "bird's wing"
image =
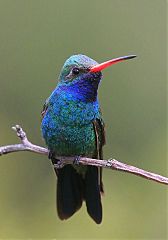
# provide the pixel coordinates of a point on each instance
(45, 107)
(99, 129)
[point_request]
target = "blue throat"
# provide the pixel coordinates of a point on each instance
(83, 89)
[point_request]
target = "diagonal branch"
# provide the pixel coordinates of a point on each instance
(113, 164)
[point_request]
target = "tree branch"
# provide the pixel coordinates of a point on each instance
(113, 164)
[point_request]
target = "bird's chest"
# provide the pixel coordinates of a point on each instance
(67, 127)
(72, 113)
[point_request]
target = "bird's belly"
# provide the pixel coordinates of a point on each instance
(69, 140)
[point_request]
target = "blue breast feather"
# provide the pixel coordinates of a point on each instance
(67, 125)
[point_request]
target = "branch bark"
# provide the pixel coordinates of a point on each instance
(113, 164)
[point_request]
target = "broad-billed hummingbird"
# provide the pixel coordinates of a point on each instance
(72, 125)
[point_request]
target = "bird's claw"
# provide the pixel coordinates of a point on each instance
(51, 154)
(58, 164)
(76, 160)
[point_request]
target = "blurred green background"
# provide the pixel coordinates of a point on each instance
(36, 36)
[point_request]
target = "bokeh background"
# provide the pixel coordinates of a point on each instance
(36, 36)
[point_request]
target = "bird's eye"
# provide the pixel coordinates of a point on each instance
(75, 71)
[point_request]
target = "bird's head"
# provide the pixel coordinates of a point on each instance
(77, 68)
(81, 75)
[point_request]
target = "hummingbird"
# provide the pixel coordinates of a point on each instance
(72, 125)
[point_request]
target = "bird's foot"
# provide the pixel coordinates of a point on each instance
(51, 155)
(76, 160)
(57, 163)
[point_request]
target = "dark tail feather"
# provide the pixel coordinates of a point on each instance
(69, 192)
(92, 194)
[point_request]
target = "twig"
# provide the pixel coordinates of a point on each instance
(113, 164)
